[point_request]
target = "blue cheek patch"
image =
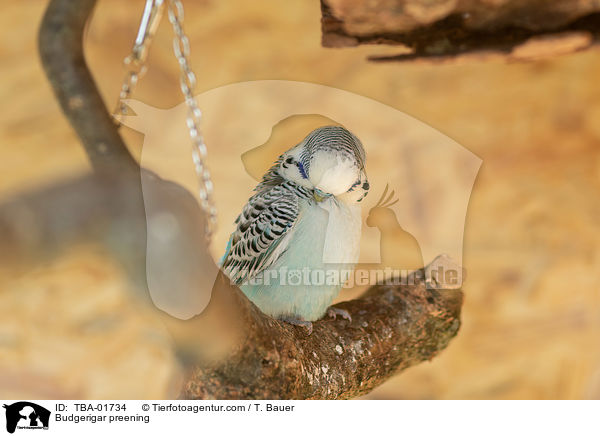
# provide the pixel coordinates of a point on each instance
(302, 172)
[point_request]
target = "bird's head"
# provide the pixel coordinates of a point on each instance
(330, 161)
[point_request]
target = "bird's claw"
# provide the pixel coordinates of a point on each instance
(299, 322)
(334, 311)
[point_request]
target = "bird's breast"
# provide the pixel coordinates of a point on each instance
(338, 233)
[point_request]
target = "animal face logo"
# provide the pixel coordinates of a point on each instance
(26, 415)
(247, 125)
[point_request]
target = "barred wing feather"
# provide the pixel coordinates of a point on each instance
(263, 233)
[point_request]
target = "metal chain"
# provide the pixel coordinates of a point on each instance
(135, 63)
(187, 81)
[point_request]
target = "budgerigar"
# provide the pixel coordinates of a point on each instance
(302, 225)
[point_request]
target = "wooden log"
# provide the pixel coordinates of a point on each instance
(443, 29)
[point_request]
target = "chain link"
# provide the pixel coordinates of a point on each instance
(135, 64)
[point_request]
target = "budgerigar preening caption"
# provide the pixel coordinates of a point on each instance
(298, 236)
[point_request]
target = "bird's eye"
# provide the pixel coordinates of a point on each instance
(289, 160)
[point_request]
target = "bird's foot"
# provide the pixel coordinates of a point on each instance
(299, 322)
(335, 311)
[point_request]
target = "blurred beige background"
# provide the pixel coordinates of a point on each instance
(531, 319)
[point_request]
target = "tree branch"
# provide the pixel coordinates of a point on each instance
(251, 355)
(392, 328)
(60, 41)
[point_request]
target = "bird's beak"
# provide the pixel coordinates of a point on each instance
(318, 197)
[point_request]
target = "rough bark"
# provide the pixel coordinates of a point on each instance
(448, 28)
(392, 327)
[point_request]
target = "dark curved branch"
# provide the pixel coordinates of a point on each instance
(231, 350)
(60, 41)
